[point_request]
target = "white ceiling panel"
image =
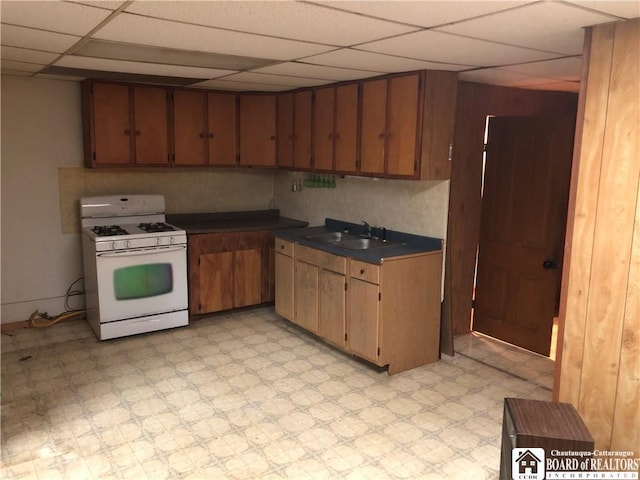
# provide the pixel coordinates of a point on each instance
(501, 77)
(442, 47)
(61, 17)
(377, 62)
(291, 82)
(294, 69)
(619, 8)
(162, 33)
(554, 27)
(107, 65)
(15, 73)
(573, 87)
(30, 38)
(20, 66)
(26, 55)
(283, 19)
(108, 4)
(425, 13)
(561, 69)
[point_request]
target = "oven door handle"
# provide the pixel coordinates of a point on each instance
(138, 252)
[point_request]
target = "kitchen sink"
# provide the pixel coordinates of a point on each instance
(364, 244)
(331, 237)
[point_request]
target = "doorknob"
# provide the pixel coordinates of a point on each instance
(549, 265)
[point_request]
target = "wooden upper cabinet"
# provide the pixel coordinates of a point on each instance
(223, 128)
(374, 126)
(404, 109)
(336, 128)
(125, 124)
(204, 128)
(190, 133)
(258, 130)
(294, 130)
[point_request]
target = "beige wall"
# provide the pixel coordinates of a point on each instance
(599, 364)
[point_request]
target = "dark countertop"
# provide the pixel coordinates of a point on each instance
(402, 243)
(243, 221)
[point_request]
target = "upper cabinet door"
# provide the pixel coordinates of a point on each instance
(302, 102)
(285, 130)
(110, 118)
(190, 127)
(258, 130)
(324, 128)
(374, 124)
(402, 126)
(223, 129)
(151, 120)
(346, 128)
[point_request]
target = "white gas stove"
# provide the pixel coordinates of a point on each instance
(135, 265)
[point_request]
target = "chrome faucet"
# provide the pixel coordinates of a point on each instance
(367, 227)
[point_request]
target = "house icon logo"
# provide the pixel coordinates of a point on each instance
(527, 464)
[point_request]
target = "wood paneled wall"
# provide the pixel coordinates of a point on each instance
(474, 103)
(598, 368)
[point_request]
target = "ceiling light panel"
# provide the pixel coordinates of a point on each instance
(441, 47)
(89, 63)
(293, 20)
(554, 27)
(316, 71)
(425, 13)
(353, 58)
(26, 55)
(162, 33)
(61, 17)
(30, 38)
(561, 69)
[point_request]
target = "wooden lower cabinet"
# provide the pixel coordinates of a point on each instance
(229, 270)
(388, 314)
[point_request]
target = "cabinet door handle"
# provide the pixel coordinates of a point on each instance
(361, 271)
(330, 136)
(211, 135)
(127, 132)
(381, 136)
(202, 135)
(137, 133)
(281, 247)
(272, 137)
(336, 136)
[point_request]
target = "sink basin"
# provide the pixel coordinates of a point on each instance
(364, 244)
(330, 237)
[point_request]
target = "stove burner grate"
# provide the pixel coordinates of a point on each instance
(155, 227)
(109, 230)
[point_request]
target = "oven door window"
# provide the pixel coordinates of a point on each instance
(142, 281)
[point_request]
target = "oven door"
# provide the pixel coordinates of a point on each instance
(138, 282)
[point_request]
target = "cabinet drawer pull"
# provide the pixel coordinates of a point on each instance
(361, 271)
(281, 247)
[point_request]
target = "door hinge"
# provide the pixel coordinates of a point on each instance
(94, 155)
(379, 296)
(345, 286)
(415, 165)
(345, 337)
(378, 351)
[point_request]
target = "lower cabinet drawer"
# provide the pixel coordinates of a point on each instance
(364, 271)
(285, 247)
(321, 259)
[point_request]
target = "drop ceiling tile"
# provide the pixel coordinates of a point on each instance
(554, 27)
(26, 55)
(59, 77)
(505, 78)
(24, 37)
(61, 17)
(90, 63)
(571, 87)
(443, 47)
(293, 20)
(240, 86)
(15, 73)
(281, 80)
(619, 8)
(162, 33)
(295, 69)
(425, 13)
(560, 69)
(359, 59)
(20, 66)
(108, 4)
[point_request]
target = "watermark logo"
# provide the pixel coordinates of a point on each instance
(527, 464)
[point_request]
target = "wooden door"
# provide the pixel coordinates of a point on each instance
(247, 277)
(302, 130)
(373, 134)
(151, 133)
(402, 125)
(306, 295)
(258, 130)
(216, 287)
(284, 286)
(223, 130)
(364, 313)
(285, 130)
(323, 129)
(346, 128)
(190, 127)
(331, 310)
(111, 124)
(523, 220)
